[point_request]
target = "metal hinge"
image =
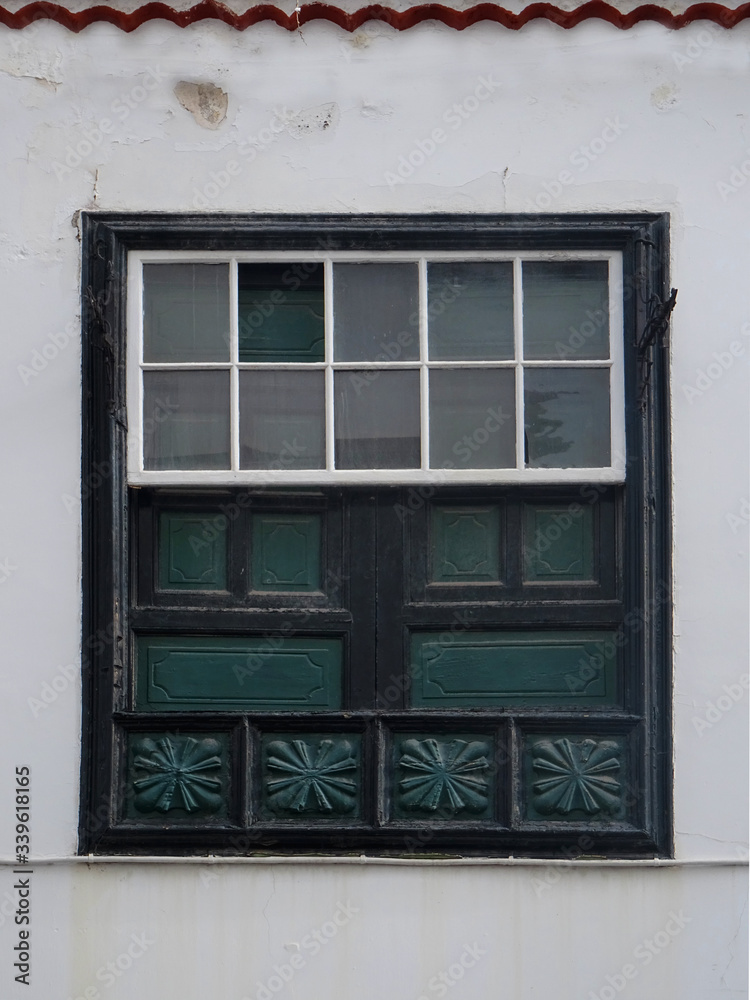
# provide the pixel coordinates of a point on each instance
(654, 333)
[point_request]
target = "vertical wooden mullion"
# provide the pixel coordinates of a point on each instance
(330, 429)
(234, 355)
(392, 678)
(360, 569)
(424, 375)
(518, 340)
(238, 552)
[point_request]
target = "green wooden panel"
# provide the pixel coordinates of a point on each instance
(312, 776)
(450, 776)
(558, 543)
(177, 778)
(575, 778)
(271, 673)
(465, 544)
(192, 551)
(286, 552)
(281, 313)
(498, 668)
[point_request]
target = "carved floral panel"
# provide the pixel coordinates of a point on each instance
(177, 777)
(443, 777)
(575, 778)
(312, 777)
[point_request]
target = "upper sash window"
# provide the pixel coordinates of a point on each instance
(301, 368)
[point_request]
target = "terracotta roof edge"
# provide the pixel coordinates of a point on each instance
(401, 20)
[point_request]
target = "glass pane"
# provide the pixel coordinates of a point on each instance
(377, 419)
(472, 418)
(282, 420)
(567, 418)
(471, 311)
(185, 312)
(376, 312)
(565, 310)
(281, 312)
(186, 420)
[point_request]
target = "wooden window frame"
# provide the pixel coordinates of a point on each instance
(642, 720)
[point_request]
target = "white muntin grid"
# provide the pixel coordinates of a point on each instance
(137, 475)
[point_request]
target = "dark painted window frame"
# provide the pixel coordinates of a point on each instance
(106, 240)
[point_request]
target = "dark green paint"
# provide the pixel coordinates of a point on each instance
(176, 777)
(558, 543)
(499, 668)
(450, 776)
(575, 778)
(266, 674)
(312, 777)
(286, 552)
(192, 551)
(465, 544)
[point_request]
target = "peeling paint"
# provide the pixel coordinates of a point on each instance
(370, 109)
(29, 62)
(207, 103)
(665, 97)
(319, 119)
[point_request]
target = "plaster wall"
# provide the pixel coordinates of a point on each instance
(592, 119)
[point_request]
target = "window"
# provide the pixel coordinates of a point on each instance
(376, 535)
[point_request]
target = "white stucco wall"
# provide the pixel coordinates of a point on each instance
(667, 113)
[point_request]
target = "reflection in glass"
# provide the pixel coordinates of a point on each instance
(377, 419)
(185, 312)
(281, 312)
(472, 418)
(470, 311)
(375, 312)
(282, 420)
(186, 420)
(567, 418)
(565, 310)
